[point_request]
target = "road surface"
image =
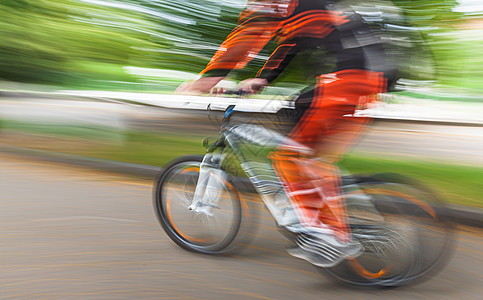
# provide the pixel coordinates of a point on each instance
(72, 233)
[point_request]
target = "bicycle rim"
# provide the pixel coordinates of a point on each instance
(204, 232)
(403, 231)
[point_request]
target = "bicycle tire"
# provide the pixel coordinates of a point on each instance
(399, 197)
(186, 233)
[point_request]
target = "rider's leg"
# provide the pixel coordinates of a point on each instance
(314, 186)
(330, 149)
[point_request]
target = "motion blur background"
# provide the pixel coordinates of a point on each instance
(95, 79)
(137, 45)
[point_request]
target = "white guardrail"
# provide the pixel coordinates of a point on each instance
(44, 109)
(401, 109)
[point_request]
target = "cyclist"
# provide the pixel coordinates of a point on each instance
(312, 185)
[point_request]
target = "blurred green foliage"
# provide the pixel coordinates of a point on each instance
(87, 43)
(60, 41)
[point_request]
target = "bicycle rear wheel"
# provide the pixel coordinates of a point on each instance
(208, 232)
(403, 227)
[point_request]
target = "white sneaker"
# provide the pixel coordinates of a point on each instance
(324, 252)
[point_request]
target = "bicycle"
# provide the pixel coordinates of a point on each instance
(403, 227)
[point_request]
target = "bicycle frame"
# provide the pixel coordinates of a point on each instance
(250, 144)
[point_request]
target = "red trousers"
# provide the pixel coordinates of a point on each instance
(313, 185)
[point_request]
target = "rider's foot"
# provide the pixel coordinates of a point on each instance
(324, 251)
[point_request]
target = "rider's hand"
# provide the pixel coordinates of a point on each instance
(197, 87)
(252, 85)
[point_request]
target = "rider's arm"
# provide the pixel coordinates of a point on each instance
(239, 48)
(279, 60)
(258, 24)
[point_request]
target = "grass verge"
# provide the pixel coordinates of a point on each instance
(457, 184)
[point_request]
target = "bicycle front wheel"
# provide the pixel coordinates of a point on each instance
(204, 231)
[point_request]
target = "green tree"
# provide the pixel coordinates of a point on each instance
(56, 41)
(65, 41)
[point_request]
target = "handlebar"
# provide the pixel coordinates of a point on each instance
(235, 92)
(231, 108)
(228, 113)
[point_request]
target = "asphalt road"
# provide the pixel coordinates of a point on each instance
(71, 233)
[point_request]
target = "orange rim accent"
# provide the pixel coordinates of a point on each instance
(366, 273)
(190, 169)
(244, 206)
(361, 270)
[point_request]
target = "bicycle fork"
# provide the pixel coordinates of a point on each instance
(209, 186)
